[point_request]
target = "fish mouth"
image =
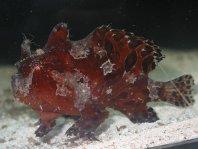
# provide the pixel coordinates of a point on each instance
(20, 86)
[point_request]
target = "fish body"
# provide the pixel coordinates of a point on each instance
(107, 69)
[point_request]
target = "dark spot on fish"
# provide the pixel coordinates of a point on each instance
(150, 109)
(130, 61)
(182, 104)
(190, 92)
(188, 81)
(188, 99)
(146, 63)
(176, 103)
(117, 55)
(134, 43)
(187, 76)
(129, 102)
(185, 92)
(109, 47)
(122, 95)
(188, 87)
(179, 79)
(146, 92)
(153, 65)
(149, 49)
(174, 94)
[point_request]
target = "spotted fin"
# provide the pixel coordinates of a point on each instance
(177, 91)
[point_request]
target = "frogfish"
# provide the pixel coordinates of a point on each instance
(107, 69)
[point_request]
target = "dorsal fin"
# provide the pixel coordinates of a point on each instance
(58, 36)
(135, 53)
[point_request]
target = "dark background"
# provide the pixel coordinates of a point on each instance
(170, 23)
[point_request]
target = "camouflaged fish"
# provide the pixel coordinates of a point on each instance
(107, 69)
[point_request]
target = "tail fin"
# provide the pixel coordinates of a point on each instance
(177, 91)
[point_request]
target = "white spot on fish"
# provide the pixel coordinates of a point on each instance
(126, 36)
(107, 67)
(79, 50)
(22, 84)
(108, 91)
(37, 68)
(101, 27)
(100, 51)
(61, 90)
(78, 83)
(41, 107)
(129, 113)
(131, 78)
(39, 52)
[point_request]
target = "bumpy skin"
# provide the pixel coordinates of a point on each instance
(108, 68)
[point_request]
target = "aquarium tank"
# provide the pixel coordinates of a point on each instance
(116, 74)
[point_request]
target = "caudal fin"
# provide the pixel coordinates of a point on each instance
(177, 91)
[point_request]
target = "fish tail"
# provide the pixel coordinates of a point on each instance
(177, 91)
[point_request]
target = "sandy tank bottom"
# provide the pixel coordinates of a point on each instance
(18, 122)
